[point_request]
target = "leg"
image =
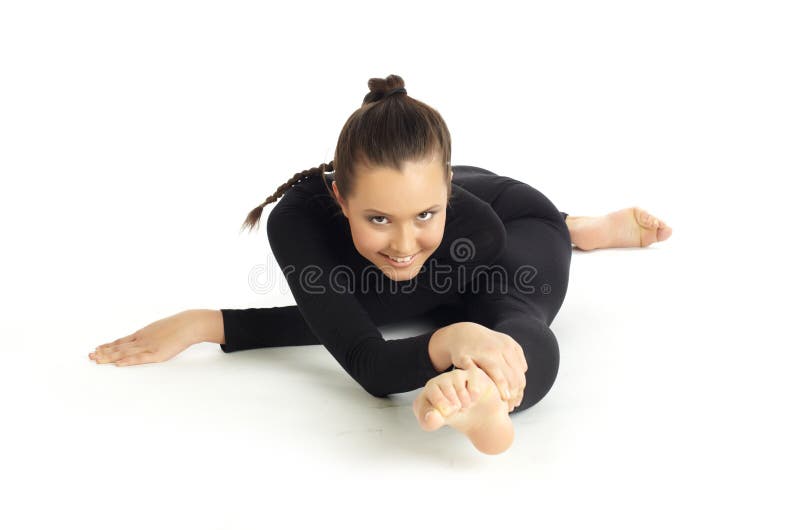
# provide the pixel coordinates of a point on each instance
(541, 352)
(536, 262)
(521, 301)
(527, 310)
(539, 247)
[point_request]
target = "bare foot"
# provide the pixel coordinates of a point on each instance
(629, 227)
(468, 401)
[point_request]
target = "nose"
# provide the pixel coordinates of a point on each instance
(405, 242)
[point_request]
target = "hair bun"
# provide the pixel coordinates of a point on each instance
(381, 88)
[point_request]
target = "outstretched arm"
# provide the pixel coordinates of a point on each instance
(264, 327)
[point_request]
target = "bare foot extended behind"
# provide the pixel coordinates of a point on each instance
(468, 401)
(629, 227)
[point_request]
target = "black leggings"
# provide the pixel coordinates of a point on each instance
(537, 235)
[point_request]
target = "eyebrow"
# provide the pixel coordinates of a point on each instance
(371, 210)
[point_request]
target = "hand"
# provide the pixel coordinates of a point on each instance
(497, 354)
(160, 341)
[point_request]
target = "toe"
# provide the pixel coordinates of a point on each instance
(647, 220)
(432, 420)
(642, 216)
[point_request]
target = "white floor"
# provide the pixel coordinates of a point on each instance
(674, 392)
(676, 400)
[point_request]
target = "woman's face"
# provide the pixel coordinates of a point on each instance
(399, 214)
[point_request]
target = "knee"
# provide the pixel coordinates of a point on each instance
(539, 206)
(542, 355)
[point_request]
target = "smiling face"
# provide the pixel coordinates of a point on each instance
(397, 213)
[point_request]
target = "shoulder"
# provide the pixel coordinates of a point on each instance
(309, 197)
(307, 220)
(472, 225)
(308, 188)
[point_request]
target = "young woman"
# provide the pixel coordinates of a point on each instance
(390, 230)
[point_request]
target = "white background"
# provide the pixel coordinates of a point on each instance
(136, 136)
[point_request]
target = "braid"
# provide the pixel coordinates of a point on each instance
(255, 214)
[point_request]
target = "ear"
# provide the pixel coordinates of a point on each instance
(339, 199)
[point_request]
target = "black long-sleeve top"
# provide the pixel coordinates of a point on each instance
(340, 306)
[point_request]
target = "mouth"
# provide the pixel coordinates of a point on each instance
(400, 264)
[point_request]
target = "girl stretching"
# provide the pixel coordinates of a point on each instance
(389, 230)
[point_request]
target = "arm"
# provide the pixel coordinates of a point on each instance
(243, 329)
(262, 327)
(305, 250)
(440, 348)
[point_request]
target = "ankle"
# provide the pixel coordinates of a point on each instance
(583, 231)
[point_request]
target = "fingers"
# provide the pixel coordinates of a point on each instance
(474, 385)
(497, 371)
(113, 353)
(516, 366)
(494, 367)
(137, 358)
(112, 347)
(510, 383)
(124, 354)
(477, 381)
(516, 400)
(122, 340)
(507, 370)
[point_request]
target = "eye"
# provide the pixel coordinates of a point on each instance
(372, 218)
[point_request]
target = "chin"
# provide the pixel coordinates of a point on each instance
(401, 276)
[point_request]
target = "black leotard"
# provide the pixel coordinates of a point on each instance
(493, 224)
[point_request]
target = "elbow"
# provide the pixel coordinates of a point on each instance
(362, 363)
(371, 388)
(376, 393)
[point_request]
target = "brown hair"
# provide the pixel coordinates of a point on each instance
(383, 132)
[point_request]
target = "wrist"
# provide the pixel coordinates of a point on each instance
(439, 348)
(205, 325)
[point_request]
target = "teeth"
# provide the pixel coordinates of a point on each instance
(401, 260)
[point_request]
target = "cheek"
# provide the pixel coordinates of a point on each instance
(432, 238)
(366, 240)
